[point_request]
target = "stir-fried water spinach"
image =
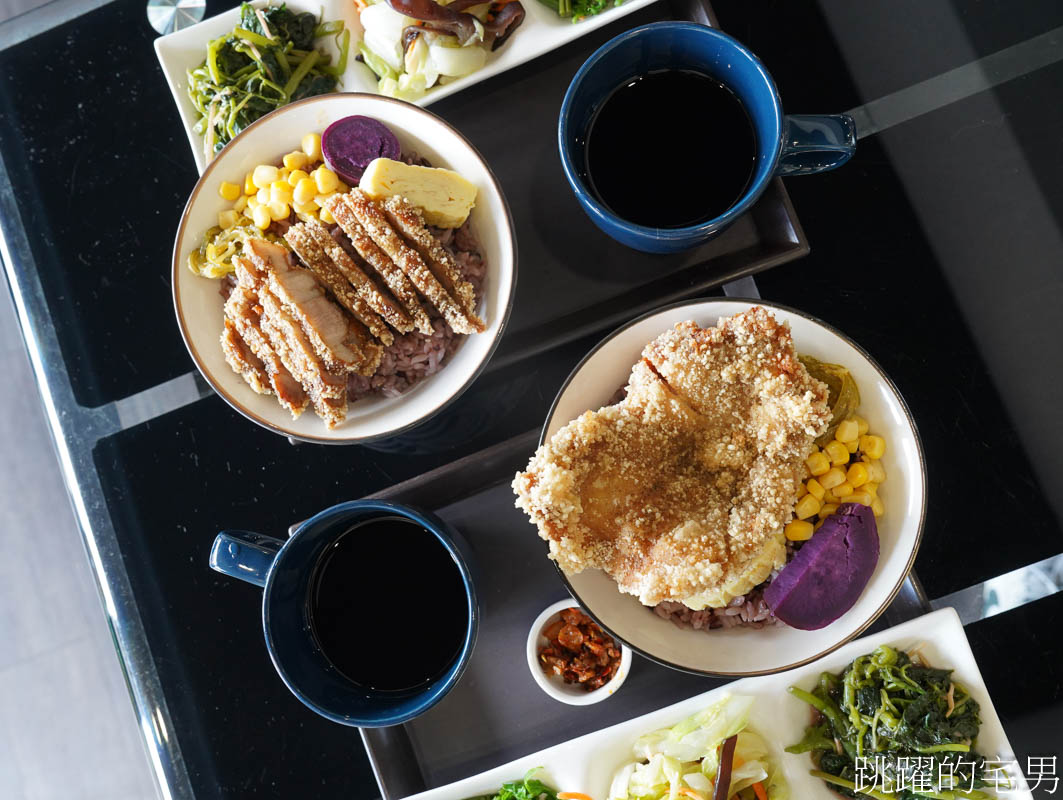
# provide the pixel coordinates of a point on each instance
(528, 788)
(894, 730)
(267, 61)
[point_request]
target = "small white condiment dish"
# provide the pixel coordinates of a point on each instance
(570, 693)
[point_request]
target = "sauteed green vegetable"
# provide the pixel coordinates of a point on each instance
(890, 728)
(267, 61)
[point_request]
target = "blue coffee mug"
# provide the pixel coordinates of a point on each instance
(786, 144)
(284, 570)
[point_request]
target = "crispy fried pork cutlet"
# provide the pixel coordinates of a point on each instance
(373, 220)
(681, 490)
(377, 297)
(242, 311)
(343, 212)
(323, 323)
(305, 246)
(408, 220)
(245, 363)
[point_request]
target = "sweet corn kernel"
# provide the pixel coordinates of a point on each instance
(282, 174)
(280, 192)
(871, 488)
(835, 476)
(229, 191)
(325, 217)
(837, 453)
(263, 195)
(228, 219)
(857, 474)
(295, 160)
(261, 217)
(848, 431)
(861, 425)
(249, 185)
(863, 498)
(798, 530)
(818, 525)
(322, 199)
(343, 187)
(817, 463)
(873, 446)
(263, 175)
(806, 507)
(278, 210)
(815, 488)
(248, 212)
(878, 508)
(875, 470)
(842, 489)
(240, 204)
(295, 176)
(305, 208)
(802, 490)
(326, 180)
(305, 190)
(312, 146)
(852, 446)
(827, 509)
(253, 202)
(306, 216)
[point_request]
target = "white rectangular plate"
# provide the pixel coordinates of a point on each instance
(587, 764)
(541, 32)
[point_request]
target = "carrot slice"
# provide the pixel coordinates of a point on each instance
(758, 789)
(691, 793)
(573, 796)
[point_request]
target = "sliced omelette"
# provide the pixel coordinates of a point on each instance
(681, 490)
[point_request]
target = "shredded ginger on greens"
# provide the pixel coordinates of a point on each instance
(267, 61)
(913, 726)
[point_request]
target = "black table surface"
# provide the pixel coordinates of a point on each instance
(938, 248)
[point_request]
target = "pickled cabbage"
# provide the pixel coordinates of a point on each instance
(687, 756)
(843, 397)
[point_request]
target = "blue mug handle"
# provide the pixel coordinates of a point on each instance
(244, 555)
(815, 143)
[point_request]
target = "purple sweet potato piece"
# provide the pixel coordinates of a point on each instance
(826, 577)
(349, 144)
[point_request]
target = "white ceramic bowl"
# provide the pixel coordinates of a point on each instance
(199, 305)
(553, 685)
(746, 651)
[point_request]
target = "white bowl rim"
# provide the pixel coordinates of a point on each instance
(178, 264)
(740, 302)
(544, 680)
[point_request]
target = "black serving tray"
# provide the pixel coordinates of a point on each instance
(497, 713)
(573, 280)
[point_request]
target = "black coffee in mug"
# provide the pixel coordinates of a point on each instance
(670, 149)
(387, 605)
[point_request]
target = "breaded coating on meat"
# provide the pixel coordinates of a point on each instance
(681, 490)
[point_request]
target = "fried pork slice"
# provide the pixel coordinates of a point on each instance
(311, 254)
(332, 335)
(378, 298)
(372, 218)
(327, 389)
(244, 363)
(681, 490)
(407, 219)
(242, 311)
(343, 212)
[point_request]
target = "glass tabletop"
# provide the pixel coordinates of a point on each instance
(937, 248)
